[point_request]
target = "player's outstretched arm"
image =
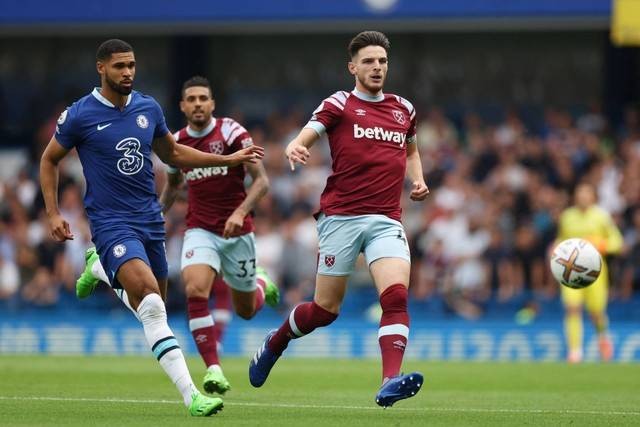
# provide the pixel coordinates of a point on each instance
(298, 149)
(53, 153)
(258, 188)
(414, 172)
(180, 155)
(170, 190)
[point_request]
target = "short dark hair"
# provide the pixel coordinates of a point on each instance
(111, 46)
(197, 81)
(367, 38)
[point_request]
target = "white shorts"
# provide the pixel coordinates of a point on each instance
(235, 256)
(342, 238)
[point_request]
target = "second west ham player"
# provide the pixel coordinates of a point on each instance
(219, 236)
(372, 138)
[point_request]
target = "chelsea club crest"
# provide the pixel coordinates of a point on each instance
(142, 121)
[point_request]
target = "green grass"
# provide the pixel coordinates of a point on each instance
(129, 391)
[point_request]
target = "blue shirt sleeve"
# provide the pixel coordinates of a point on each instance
(67, 132)
(161, 128)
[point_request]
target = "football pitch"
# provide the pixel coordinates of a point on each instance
(132, 391)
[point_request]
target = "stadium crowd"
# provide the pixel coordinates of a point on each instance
(483, 234)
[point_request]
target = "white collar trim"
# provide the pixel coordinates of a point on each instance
(367, 97)
(200, 133)
(97, 95)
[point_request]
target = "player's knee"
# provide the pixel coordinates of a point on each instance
(394, 299)
(195, 289)
(330, 306)
(327, 320)
(572, 310)
(322, 316)
(596, 315)
(245, 308)
(152, 308)
(245, 313)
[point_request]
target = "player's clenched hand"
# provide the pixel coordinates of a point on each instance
(296, 153)
(250, 154)
(60, 230)
(419, 191)
(233, 226)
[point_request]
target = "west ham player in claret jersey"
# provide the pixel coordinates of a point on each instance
(219, 236)
(372, 138)
(114, 129)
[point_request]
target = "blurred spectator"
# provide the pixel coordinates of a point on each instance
(44, 286)
(631, 256)
(9, 278)
(593, 121)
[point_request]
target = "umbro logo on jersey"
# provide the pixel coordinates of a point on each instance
(100, 127)
(360, 112)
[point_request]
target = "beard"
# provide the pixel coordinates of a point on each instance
(369, 86)
(122, 90)
(199, 122)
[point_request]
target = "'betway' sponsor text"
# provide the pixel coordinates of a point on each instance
(199, 173)
(379, 134)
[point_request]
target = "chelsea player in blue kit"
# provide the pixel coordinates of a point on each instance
(114, 129)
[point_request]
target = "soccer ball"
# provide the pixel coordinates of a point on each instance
(575, 263)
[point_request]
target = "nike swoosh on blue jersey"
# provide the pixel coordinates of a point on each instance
(100, 127)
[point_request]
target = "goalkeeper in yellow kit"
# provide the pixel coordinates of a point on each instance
(588, 221)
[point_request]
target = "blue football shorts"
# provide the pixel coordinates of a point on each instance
(119, 243)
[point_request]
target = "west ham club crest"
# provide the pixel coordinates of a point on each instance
(216, 147)
(329, 260)
(399, 116)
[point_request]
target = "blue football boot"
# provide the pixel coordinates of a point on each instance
(400, 387)
(262, 362)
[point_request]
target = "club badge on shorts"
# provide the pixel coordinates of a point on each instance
(119, 250)
(189, 254)
(329, 260)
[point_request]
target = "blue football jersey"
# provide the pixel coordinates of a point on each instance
(115, 147)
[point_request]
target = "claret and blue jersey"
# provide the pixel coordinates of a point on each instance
(115, 151)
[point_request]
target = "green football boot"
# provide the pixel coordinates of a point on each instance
(215, 381)
(271, 292)
(87, 282)
(204, 406)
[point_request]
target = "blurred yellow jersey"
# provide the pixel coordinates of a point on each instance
(595, 225)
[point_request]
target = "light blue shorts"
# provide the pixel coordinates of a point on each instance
(342, 238)
(235, 256)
